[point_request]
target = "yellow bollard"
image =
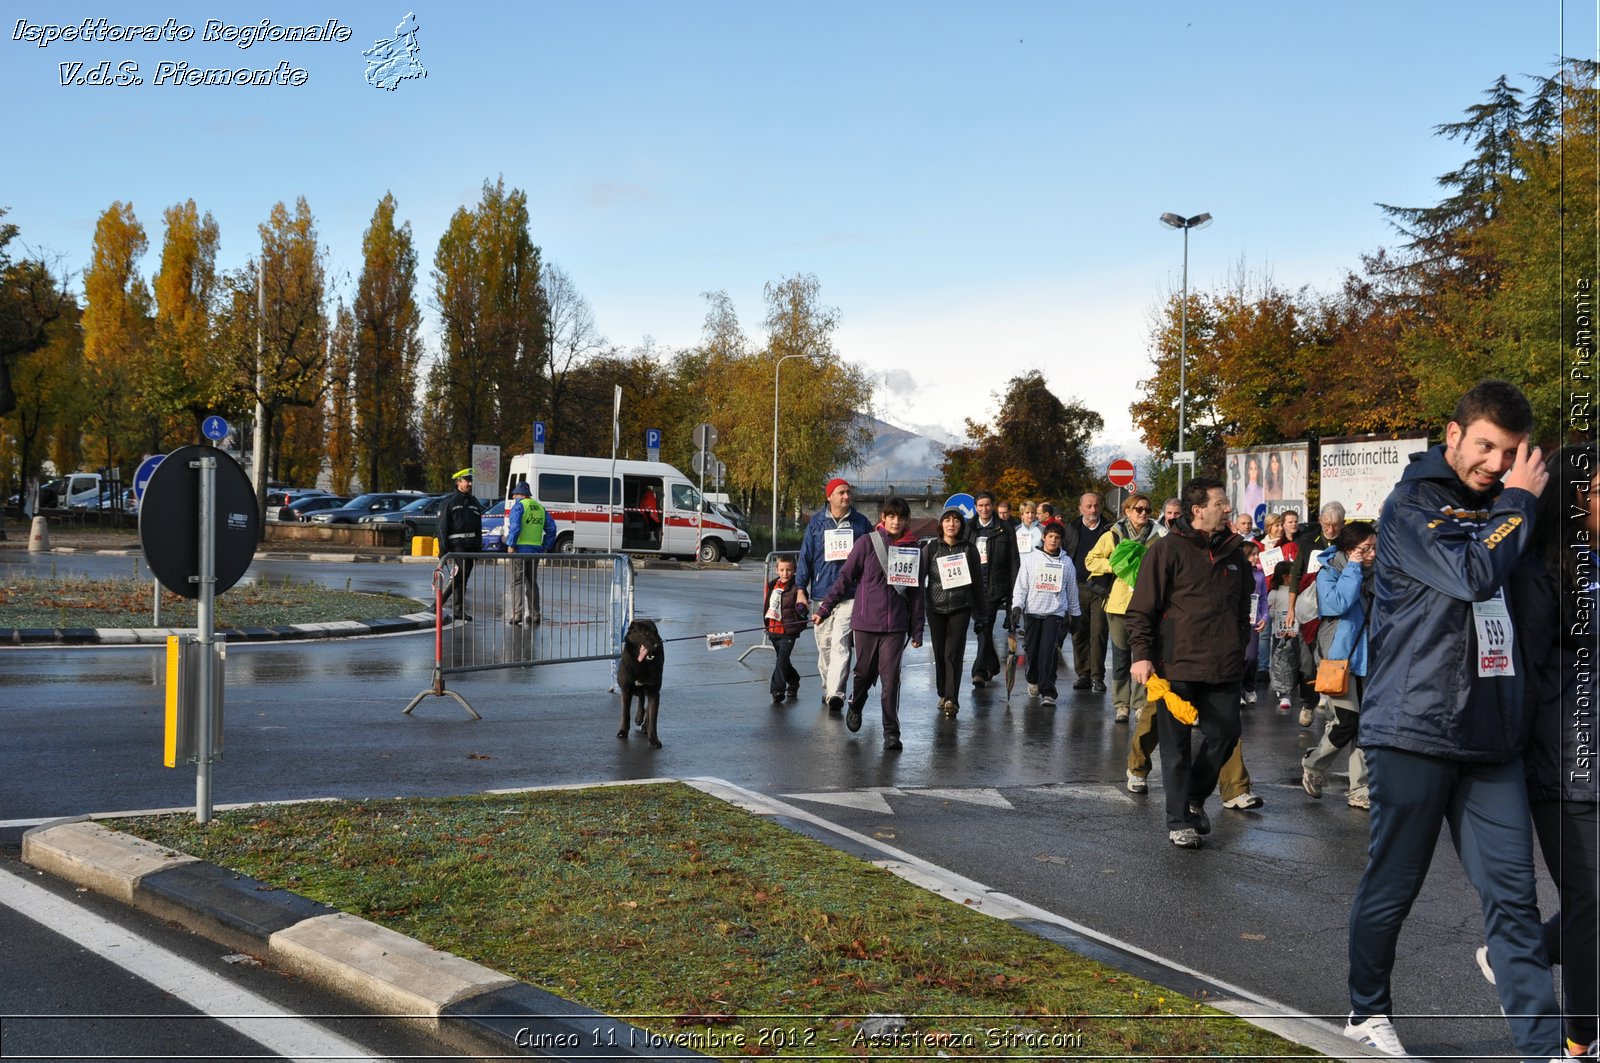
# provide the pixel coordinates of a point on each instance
(424, 546)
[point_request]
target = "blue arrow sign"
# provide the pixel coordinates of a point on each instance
(214, 428)
(147, 469)
(964, 502)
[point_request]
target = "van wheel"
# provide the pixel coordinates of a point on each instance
(564, 544)
(710, 551)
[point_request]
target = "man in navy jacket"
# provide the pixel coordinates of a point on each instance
(832, 534)
(1441, 723)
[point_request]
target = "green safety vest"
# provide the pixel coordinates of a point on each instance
(531, 532)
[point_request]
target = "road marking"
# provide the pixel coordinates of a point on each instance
(239, 1009)
(989, 798)
(866, 801)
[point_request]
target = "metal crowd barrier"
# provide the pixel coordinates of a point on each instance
(585, 603)
(769, 572)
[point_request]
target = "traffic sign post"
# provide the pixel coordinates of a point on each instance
(141, 480)
(538, 437)
(214, 428)
(199, 488)
(652, 444)
(705, 437)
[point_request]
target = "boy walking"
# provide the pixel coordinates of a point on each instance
(785, 620)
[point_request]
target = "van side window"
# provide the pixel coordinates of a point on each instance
(685, 497)
(592, 491)
(555, 487)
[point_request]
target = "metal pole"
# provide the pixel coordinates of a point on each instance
(258, 445)
(1183, 356)
(775, 368)
(204, 624)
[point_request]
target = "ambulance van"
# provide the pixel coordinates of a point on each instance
(652, 508)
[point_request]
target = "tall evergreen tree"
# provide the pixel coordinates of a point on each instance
(387, 350)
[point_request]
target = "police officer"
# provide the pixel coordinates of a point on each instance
(461, 522)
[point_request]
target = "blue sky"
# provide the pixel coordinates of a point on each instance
(976, 186)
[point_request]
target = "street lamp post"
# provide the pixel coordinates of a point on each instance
(1178, 221)
(775, 369)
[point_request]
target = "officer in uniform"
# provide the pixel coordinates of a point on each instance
(461, 524)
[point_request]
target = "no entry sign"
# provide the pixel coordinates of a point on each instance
(1120, 473)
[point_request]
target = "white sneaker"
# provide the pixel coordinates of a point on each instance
(1250, 696)
(1138, 784)
(1376, 1031)
(1033, 690)
(1482, 956)
(1244, 800)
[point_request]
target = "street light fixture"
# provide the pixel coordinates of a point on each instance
(1178, 221)
(776, 367)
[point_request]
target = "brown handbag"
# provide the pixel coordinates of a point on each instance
(1333, 677)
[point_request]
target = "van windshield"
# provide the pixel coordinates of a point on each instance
(685, 497)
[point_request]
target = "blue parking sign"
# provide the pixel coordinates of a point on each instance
(652, 439)
(538, 432)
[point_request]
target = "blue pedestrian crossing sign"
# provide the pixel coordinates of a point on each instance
(214, 428)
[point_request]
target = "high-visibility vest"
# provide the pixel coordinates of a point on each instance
(531, 531)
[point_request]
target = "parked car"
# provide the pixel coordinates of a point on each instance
(300, 509)
(364, 505)
(278, 497)
(419, 518)
(494, 526)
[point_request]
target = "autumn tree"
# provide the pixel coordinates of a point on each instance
(50, 402)
(343, 446)
(31, 299)
(276, 329)
(1036, 437)
(116, 325)
(181, 377)
(489, 378)
(822, 396)
(572, 340)
(386, 352)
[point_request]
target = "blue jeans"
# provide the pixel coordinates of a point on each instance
(1486, 808)
(784, 676)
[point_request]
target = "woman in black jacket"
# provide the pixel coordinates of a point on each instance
(953, 583)
(1553, 598)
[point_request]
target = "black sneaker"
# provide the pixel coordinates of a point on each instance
(1082, 684)
(1199, 820)
(777, 699)
(792, 692)
(891, 744)
(1098, 686)
(835, 703)
(852, 719)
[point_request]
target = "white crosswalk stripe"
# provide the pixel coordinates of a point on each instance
(255, 1017)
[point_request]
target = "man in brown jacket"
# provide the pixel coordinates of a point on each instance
(1187, 622)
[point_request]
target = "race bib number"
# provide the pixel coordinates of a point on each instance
(983, 550)
(1255, 606)
(1024, 540)
(904, 561)
(1050, 577)
(1493, 622)
(1314, 563)
(775, 605)
(953, 571)
(1270, 559)
(836, 543)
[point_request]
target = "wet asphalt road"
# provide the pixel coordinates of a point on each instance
(1035, 806)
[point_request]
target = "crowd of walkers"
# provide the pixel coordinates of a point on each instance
(1449, 650)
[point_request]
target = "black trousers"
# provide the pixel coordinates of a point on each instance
(986, 662)
(1567, 832)
(784, 676)
(1189, 775)
(948, 632)
(1090, 636)
(1040, 637)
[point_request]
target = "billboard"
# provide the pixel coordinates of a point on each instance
(1360, 471)
(1269, 479)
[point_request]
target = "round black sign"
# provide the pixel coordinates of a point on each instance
(169, 521)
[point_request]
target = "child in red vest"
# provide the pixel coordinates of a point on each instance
(785, 619)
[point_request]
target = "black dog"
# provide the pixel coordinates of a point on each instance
(639, 675)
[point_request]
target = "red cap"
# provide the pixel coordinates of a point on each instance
(836, 482)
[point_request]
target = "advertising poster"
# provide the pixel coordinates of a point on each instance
(1269, 479)
(1360, 471)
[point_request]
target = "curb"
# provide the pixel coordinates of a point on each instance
(468, 1005)
(476, 1008)
(156, 636)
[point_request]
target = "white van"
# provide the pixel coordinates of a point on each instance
(79, 490)
(574, 491)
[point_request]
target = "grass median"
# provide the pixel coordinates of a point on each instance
(707, 925)
(80, 601)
